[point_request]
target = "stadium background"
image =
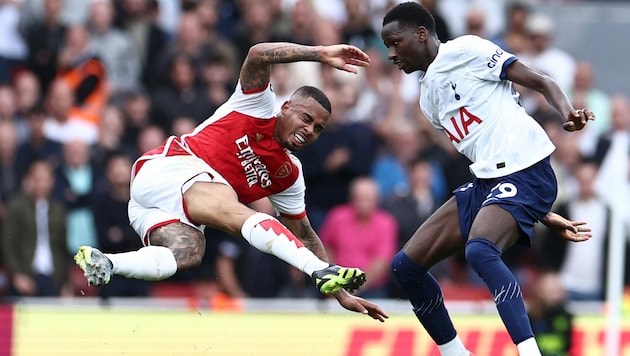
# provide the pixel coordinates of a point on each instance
(174, 321)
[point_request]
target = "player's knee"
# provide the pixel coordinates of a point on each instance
(479, 252)
(405, 270)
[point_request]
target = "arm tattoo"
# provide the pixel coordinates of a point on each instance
(256, 70)
(187, 243)
(309, 238)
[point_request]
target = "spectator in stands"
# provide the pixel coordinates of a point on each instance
(139, 19)
(149, 137)
(9, 170)
(218, 78)
(110, 132)
(75, 183)
(346, 151)
(13, 49)
(85, 74)
(411, 206)
(38, 146)
(114, 47)
(182, 97)
(303, 21)
(543, 55)
(34, 238)
(8, 111)
(44, 38)
(549, 315)
(190, 41)
(63, 123)
(612, 153)
(515, 38)
(136, 107)
(357, 29)
(441, 25)
(112, 223)
(476, 22)
(581, 267)
(585, 92)
(254, 27)
(28, 94)
(361, 234)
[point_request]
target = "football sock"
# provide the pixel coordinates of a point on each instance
(485, 258)
(268, 235)
(150, 263)
(454, 347)
(425, 296)
(528, 348)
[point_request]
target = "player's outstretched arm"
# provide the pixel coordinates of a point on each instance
(360, 305)
(567, 229)
(256, 69)
(303, 230)
(526, 76)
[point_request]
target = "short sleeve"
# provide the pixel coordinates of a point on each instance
(291, 201)
(256, 103)
(487, 60)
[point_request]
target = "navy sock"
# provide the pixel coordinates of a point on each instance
(426, 298)
(485, 258)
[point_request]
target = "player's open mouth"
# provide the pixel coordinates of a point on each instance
(299, 138)
(399, 64)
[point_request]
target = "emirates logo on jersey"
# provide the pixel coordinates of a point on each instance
(284, 170)
(256, 172)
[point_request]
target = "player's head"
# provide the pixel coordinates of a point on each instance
(409, 34)
(303, 118)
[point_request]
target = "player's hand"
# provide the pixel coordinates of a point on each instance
(567, 229)
(577, 119)
(344, 57)
(360, 305)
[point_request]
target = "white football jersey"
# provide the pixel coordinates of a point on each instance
(464, 93)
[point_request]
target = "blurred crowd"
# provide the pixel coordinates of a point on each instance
(88, 86)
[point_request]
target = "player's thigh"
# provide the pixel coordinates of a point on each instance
(497, 225)
(437, 238)
(216, 205)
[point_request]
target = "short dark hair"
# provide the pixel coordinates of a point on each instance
(312, 92)
(410, 14)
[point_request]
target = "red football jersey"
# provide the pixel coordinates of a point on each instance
(237, 141)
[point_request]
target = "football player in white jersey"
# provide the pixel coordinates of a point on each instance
(240, 154)
(466, 91)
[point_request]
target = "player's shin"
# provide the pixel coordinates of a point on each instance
(428, 303)
(150, 263)
(268, 235)
(485, 258)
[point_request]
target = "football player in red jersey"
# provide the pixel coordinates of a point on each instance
(238, 155)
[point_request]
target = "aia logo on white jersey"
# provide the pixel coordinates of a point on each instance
(256, 172)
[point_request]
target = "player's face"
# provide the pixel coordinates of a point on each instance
(300, 123)
(404, 46)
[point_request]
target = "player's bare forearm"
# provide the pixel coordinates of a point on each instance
(256, 69)
(555, 96)
(303, 230)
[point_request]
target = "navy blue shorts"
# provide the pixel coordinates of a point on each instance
(527, 195)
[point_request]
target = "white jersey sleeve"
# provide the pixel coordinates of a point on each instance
(291, 200)
(256, 103)
(487, 61)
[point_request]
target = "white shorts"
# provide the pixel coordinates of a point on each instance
(157, 192)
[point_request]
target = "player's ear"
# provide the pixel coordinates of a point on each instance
(421, 33)
(285, 106)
